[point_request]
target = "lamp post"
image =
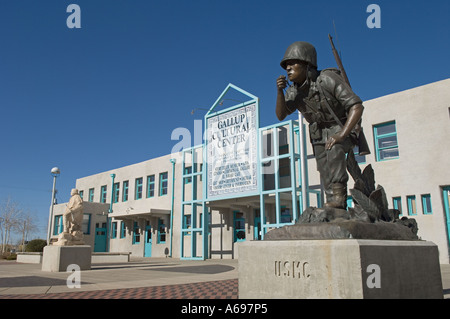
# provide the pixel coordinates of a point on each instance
(55, 172)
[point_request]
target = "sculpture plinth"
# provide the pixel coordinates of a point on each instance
(70, 248)
(339, 269)
(58, 258)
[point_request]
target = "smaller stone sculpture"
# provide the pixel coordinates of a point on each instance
(72, 221)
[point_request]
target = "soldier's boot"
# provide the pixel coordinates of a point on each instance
(339, 198)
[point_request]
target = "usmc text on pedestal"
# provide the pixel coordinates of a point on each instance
(292, 269)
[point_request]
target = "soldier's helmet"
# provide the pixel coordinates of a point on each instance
(300, 50)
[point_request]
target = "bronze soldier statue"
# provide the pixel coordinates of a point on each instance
(332, 110)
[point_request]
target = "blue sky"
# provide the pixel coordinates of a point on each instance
(110, 94)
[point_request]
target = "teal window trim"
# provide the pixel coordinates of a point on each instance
(114, 230)
(116, 188)
(103, 194)
(58, 225)
(163, 184)
(426, 204)
(150, 186)
(138, 188)
(122, 230)
(349, 201)
(136, 234)
(81, 194)
(187, 171)
(91, 195)
(397, 203)
(161, 232)
(126, 186)
(412, 206)
(187, 223)
(379, 136)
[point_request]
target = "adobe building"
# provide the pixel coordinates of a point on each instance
(246, 180)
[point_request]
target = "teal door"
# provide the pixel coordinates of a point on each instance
(446, 197)
(257, 225)
(148, 241)
(100, 238)
(257, 228)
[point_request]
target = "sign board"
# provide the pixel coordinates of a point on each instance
(231, 140)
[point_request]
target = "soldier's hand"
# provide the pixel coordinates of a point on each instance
(281, 82)
(335, 139)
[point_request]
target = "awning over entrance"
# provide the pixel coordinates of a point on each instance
(131, 215)
(251, 201)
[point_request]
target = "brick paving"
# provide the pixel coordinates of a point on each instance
(223, 289)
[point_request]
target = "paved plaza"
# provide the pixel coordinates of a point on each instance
(141, 278)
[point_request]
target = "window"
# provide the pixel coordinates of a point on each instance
(386, 145)
(163, 184)
(411, 202)
(188, 170)
(86, 224)
(125, 191)
(426, 204)
(58, 225)
(114, 230)
(161, 232)
(360, 159)
(116, 192)
(397, 202)
(91, 194)
(286, 216)
(239, 227)
(138, 188)
(103, 194)
(81, 194)
(187, 221)
(136, 234)
(150, 186)
(122, 230)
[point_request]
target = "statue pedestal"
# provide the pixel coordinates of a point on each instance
(339, 269)
(57, 258)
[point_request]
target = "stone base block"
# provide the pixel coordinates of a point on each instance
(29, 258)
(339, 269)
(57, 258)
(114, 257)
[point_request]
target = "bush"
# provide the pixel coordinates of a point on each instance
(11, 257)
(36, 246)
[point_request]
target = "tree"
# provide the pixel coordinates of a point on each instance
(26, 225)
(10, 214)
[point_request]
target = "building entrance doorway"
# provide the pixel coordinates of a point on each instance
(100, 238)
(148, 241)
(257, 225)
(239, 226)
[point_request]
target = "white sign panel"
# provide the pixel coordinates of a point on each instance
(232, 152)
